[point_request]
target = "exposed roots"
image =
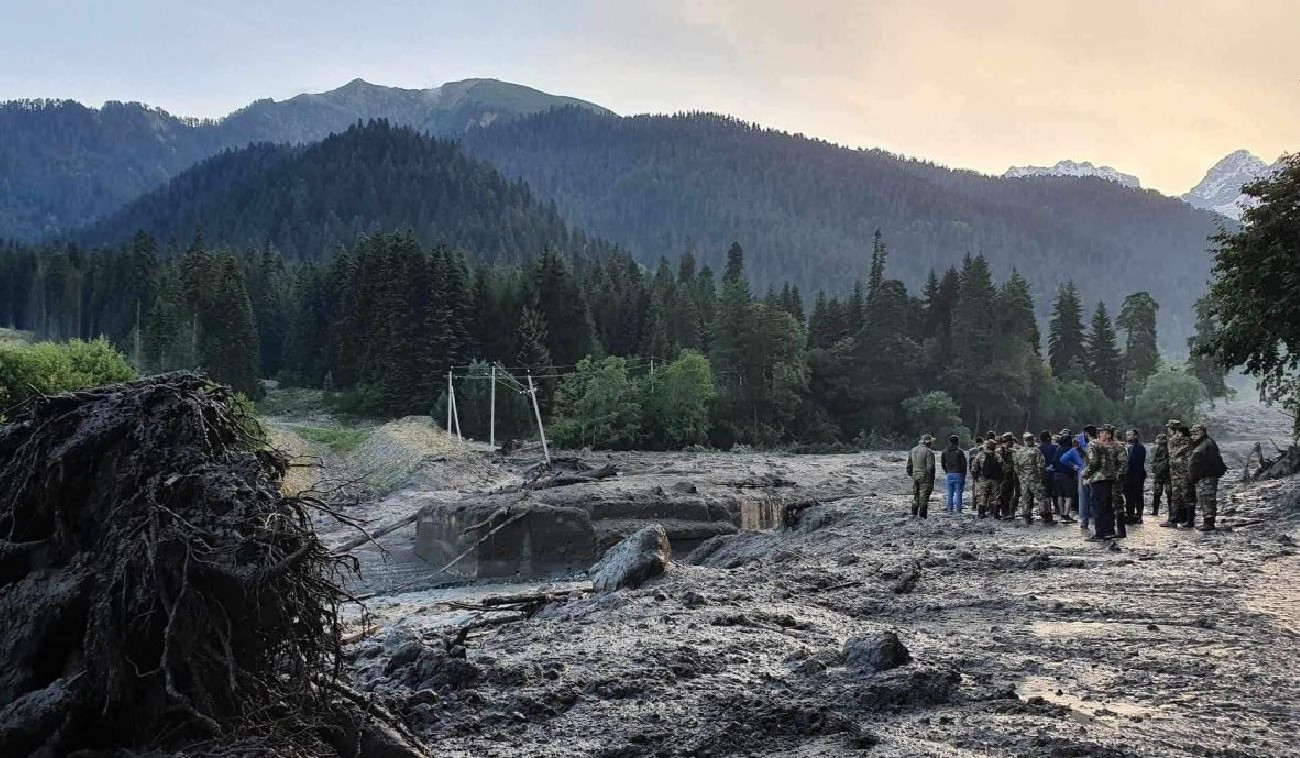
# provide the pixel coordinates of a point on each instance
(156, 590)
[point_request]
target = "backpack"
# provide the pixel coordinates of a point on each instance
(991, 468)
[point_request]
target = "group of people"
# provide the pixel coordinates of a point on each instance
(1092, 478)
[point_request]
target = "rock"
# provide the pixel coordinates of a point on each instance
(685, 488)
(877, 652)
(643, 555)
(906, 583)
(693, 599)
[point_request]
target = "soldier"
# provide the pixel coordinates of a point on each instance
(1029, 472)
(1182, 509)
(920, 466)
(970, 468)
(1009, 492)
(1159, 472)
(1205, 469)
(988, 474)
(1101, 471)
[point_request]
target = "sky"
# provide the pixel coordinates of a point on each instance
(1161, 89)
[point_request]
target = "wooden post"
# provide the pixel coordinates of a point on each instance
(492, 411)
(449, 402)
(537, 411)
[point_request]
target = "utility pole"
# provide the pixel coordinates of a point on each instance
(492, 410)
(449, 402)
(537, 411)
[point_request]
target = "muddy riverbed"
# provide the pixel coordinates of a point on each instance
(1019, 640)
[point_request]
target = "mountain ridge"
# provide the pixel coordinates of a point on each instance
(1070, 168)
(66, 164)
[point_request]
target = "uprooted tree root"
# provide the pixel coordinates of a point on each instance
(157, 593)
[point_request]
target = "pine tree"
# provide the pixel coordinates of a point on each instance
(878, 256)
(1103, 365)
(855, 309)
(1065, 338)
(735, 270)
(1204, 367)
(228, 344)
(1137, 317)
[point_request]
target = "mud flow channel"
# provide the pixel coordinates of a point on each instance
(862, 631)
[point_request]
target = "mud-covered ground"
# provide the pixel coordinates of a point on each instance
(1023, 640)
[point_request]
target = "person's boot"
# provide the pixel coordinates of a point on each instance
(1207, 524)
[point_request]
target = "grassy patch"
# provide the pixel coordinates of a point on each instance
(13, 337)
(342, 440)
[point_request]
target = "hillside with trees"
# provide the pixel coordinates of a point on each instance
(309, 201)
(806, 210)
(63, 165)
(623, 356)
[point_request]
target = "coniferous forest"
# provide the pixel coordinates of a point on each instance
(624, 356)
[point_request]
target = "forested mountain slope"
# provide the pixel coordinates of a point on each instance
(308, 201)
(806, 210)
(63, 164)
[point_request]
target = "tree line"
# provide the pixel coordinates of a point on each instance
(624, 356)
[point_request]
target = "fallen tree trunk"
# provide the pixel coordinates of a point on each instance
(567, 478)
(1287, 463)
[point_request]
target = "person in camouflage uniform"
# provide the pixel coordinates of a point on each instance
(1117, 493)
(1101, 471)
(1009, 492)
(1160, 473)
(1030, 465)
(1205, 468)
(1182, 506)
(988, 474)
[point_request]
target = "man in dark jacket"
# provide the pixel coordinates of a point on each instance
(1206, 468)
(954, 463)
(1160, 473)
(1051, 454)
(1135, 478)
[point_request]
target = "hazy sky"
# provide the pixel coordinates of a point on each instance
(1157, 88)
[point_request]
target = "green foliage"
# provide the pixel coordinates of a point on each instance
(597, 406)
(676, 403)
(1205, 363)
(934, 413)
(1168, 393)
(50, 368)
(1252, 315)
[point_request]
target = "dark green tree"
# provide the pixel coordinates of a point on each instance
(1066, 346)
(1103, 365)
(1137, 317)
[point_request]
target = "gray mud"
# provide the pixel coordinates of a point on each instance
(1020, 640)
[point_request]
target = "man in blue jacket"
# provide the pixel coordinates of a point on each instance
(1051, 455)
(1135, 478)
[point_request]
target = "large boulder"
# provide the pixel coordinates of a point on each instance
(642, 555)
(875, 652)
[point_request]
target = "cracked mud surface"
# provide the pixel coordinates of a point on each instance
(1023, 640)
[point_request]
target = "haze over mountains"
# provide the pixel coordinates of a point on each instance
(804, 209)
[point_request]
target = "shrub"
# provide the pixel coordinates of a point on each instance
(50, 368)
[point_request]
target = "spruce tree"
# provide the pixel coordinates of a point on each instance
(1201, 365)
(1065, 338)
(855, 309)
(735, 264)
(1137, 317)
(1103, 365)
(228, 343)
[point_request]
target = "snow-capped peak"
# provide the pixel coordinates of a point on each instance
(1220, 190)
(1070, 168)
